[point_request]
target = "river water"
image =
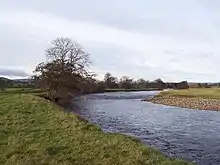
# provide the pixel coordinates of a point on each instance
(193, 135)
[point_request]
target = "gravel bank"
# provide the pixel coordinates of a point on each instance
(186, 102)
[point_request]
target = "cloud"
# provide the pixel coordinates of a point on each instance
(138, 43)
(13, 72)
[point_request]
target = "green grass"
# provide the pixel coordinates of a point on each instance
(35, 131)
(194, 92)
(21, 90)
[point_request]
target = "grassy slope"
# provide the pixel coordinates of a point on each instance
(194, 92)
(22, 91)
(35, 131)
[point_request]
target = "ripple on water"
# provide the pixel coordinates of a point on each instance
(178, 132)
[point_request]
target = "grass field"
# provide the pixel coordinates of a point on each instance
(194, 92)
(21, 91)
(36, 131)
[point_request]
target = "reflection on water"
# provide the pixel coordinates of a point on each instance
(177, 132)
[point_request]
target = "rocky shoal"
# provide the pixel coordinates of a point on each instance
(186, 102)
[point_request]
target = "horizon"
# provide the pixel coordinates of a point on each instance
(174, 41)
(133, 80)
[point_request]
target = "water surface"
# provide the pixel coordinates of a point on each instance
(190, 134)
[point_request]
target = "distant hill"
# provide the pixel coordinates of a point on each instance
(22, 80)
(5, 82)
(3, 78)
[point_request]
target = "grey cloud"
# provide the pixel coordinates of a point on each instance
(164, 21)
(174, 60)
(170, 52)
(13, 72)
(143, 17)
(174, 51)
(205, 54)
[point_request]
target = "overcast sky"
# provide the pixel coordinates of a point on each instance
(173, 40)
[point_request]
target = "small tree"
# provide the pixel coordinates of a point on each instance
(110, 81)
(126, 82)
(141, 83)
(65, 68)
(159, 80)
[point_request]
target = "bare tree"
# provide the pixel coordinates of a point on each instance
(159, 80)
(69, 53)
(126, 82)
(110, 81)
(66, 67)
(141, 83)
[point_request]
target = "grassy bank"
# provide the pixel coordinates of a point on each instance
(131, 90)
(35, 131)
(194, 92)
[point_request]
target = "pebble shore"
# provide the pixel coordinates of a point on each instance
(186, 102)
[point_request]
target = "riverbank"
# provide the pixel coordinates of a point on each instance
(195, 98)
(132, 90)
(36, 131)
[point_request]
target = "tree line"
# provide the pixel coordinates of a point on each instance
(126, 82)
(66, 71)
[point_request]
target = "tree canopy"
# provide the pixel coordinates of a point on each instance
(65, 69)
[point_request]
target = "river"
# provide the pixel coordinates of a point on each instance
(193, 135)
